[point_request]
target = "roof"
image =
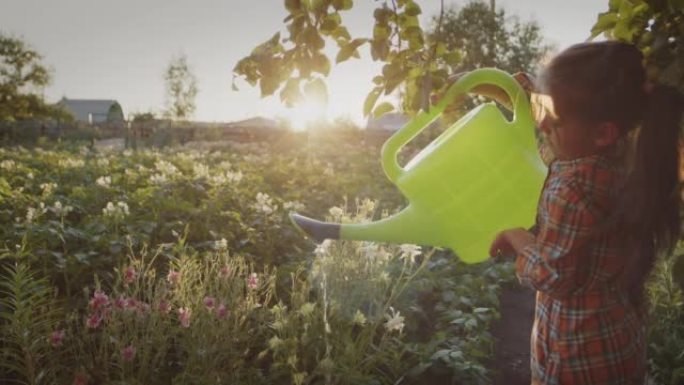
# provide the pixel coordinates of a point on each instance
(82, 109)
(391, 122)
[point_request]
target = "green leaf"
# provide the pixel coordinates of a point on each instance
(341, 33)
(293, 5)
(320, 64)
(342, 5)
(370, 101)
(604, 22)
(412, 9)
(313, 39)
(382, 109)
(349, 50)
(268, 85)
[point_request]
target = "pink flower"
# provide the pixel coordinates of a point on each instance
(143, 307)
(99, 300)
(129, 275)
(120, 302)
(94, 321)
(131, 304)
(224, 272)
(80, 379)
(173, 277)
(253, 281)
(128, 353)
(184, 316)
(221, 311)
(209, 302)
(56, 338)
(164, 307)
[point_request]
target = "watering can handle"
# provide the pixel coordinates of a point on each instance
(519, 101)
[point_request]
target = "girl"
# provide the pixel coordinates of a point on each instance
(609, 205)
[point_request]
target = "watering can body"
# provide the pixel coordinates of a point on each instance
(481, 175)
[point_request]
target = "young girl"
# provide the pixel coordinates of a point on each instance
(609, 205)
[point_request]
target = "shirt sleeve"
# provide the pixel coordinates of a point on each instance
(553, 264)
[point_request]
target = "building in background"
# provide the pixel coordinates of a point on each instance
(94, 111)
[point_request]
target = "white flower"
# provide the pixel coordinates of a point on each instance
(71, 163)
(221, 244)
(395, 321)
(166, 168)
(29, 175)
(359, 318)
(409, 252)
(33, 213)
(293, 206)
(60, 210)
(264, 203)
(48, 188)
(225, 165)
(323, 248)
(234, 177)
(200, 170)
(118, 211)
(158, 179)
(103, 162)
(336, 212)
(8, 165)
(127, 153)
(104, 181)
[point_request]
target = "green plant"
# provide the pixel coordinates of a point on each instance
(29, 320)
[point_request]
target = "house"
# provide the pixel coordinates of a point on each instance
(93, 111)
(391, 122)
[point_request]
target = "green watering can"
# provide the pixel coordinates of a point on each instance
(483, 174)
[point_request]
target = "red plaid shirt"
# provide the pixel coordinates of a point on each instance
(585, 330)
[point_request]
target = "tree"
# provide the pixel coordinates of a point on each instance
(181, 89)
(22, 76)
(416, 62)
(656, 27)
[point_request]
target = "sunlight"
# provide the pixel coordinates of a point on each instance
(305, 114)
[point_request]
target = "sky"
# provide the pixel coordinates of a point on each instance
(119, 49)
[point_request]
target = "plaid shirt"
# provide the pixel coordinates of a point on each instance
(585, 330)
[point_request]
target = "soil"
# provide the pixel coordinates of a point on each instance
(511, 362)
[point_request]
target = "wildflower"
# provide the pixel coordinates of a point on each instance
(293, 206)
(323, 248)
(164, 307)
(299, 378)
(395, 321)
(307, 309)
(336, 212)
(130, 275)
(128, 353)
(30, 175)
(118, 211)
(103, 162)
(60, 210)
(71, 163)
(56, 338)
(99, 300)
(221, 244)
(104, 181)
(234, 177)
(131, 304)
(253, 281)
(222, 311)
(224, 272)
(8, 165)
(264, 203)
(93, 321)
(184, 316)
(200, 170)
(173, 277)
(48, 188)
(158, 179)
(127, 153)
(409, 252)
(33, 213)
(359, 318)
(209, 302)
(120, 302)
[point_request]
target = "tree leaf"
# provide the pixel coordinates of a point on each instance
(382, 109)
(604, 22)
(371, 99)
(320, 64)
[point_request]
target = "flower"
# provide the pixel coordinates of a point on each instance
(307, 309)
(395, 321)
(359, 318)
(60, 210)
(323, 248)
(200, 170)
(8, 164)
(56, 338)
(164, 307)
(104, 181)
(253, 281)
(224, 272)
(118, 211)
(128, 353)
(173, 277)
(221, 244)
(93, 321)
(209, 302)
(129, 275)
(293, 206)
(264, 203)
(99, 300)
(336, 212)
(120, 302)
(409, 252)
(48, 188)
(80, 379)
(184, 316)
(222, 311)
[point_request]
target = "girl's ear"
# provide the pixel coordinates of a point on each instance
(606, 134)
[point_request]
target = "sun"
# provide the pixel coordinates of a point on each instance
(306, 113)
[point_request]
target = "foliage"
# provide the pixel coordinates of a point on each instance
(181, 89)
(666, 323)
(22, 75)
(28, 316)
(415, 61)
(656, 27)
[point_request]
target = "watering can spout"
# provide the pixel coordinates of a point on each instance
(406, 226)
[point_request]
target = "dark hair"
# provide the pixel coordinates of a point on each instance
(606, 82)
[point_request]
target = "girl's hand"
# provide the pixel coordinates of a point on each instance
(511, 242)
